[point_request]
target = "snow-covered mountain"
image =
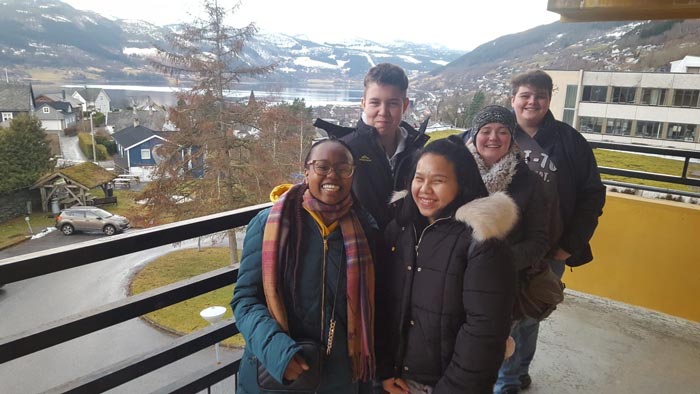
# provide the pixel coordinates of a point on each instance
(50, 39)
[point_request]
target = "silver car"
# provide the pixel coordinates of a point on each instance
(90, 219)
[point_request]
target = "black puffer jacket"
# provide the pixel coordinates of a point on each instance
(447, 293)
(374, 180)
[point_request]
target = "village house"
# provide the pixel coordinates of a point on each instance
(137, 147)
(15, 99)
(55, 115)
(93, 99)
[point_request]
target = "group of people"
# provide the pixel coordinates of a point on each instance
(395, 265)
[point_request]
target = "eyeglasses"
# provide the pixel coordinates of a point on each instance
(324, 167)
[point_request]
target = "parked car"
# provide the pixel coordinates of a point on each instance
(90, 219)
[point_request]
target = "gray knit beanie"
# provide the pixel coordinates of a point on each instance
(493, 114)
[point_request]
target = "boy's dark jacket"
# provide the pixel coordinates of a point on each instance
(374, 180)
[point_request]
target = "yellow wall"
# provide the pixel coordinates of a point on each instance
(646, 253)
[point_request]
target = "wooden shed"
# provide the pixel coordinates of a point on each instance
(72, 185)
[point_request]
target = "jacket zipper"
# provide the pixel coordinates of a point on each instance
(424, 230)
(323, 285)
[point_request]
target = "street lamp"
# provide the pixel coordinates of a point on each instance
(92, 133)
(213, 314)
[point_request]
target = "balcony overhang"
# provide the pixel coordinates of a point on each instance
(619, 10)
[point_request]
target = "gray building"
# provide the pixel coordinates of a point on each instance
(657, 109)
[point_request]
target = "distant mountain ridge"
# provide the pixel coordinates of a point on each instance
(82, 46)
(48, 41)
(615, 46)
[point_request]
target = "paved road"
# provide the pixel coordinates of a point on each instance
(40, 300)
(70, 149)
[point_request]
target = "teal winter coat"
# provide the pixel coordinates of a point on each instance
(264, 338)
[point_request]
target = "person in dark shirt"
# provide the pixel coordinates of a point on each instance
(565, 161)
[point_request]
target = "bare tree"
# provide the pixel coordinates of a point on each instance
(202, 171)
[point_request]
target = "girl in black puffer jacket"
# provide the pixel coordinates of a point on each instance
(444, 298)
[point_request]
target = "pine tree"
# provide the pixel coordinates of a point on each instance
(25, 154)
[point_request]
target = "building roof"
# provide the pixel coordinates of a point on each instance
(131, 136)
(89, 94)
(153, 120)
(87, 175)
(61, 97)
(16, 97)
(61, 106)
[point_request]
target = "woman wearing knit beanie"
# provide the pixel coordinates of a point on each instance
(502, 169)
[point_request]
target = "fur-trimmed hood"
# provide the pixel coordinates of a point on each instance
(489, 217)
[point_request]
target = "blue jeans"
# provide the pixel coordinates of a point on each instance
(524, 332)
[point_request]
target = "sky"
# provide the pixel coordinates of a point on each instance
(456, 24)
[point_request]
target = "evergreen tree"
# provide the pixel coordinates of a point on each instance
(477, 103)
(25, 154)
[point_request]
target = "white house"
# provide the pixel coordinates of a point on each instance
(689, 64)
(93, 99)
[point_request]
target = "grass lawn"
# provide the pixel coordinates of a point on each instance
(631, 161)
(183, 318)
(436, 135)
(15, 230)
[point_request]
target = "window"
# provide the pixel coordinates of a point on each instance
(685, 98)
(597, 94)
(681, 132)
(649, 129)
(619, 127)
(46, 110)
(6, 116)
(653, 96)
(588, 124)
(623, 95)
(570, 104)
(145, 154)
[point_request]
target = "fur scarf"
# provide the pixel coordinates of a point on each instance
(498, 177)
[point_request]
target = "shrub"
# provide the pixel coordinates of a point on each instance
(107, 142)
(85, 142)
(70, 131)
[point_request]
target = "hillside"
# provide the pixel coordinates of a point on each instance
(619, 46)
(50, 41)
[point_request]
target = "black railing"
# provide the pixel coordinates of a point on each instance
(682, 179)
(71, 327)
(41, 263)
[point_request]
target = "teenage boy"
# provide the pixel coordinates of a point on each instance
(383, 144)
(565, 161)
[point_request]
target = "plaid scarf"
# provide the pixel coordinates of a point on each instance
(359, 272)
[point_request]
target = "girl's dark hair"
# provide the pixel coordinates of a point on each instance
(469, 183)
(288, 274)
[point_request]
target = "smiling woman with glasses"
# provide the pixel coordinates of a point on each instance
(304, 299)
